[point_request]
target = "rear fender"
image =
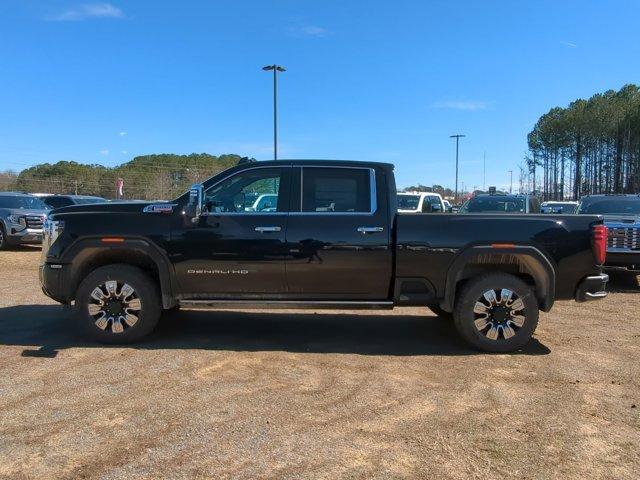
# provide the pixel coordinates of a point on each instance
(527, 259)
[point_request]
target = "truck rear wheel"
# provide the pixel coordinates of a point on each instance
(496, 312)
(117, 304)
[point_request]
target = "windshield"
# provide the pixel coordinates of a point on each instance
(22, 202)
(497, 204)
(558, 207)
(408, 202)
(610, 206)
(84, 201)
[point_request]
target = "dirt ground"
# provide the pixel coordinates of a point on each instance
(265, 394)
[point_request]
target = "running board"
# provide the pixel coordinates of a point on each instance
(284, 304)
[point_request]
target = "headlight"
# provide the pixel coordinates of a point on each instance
(52, 230)
(18, 220)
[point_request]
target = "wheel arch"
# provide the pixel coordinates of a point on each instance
(526, 262)
(89, 254)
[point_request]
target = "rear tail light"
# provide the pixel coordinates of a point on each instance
(599, 243)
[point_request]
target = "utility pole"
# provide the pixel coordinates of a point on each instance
(276, 69)
(457, 137)
(510, 181)
(484, 170)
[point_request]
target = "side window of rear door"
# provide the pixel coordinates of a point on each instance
(336, 190)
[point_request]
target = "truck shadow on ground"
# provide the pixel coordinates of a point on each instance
(46, 329)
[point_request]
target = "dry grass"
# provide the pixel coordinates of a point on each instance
(327, 395)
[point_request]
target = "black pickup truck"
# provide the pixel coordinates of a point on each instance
(315, 234)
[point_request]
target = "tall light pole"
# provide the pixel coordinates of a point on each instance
(276, 69)
(457, 137)
(484, 171)
(510, 181)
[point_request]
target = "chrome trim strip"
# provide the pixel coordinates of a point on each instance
(372, 187)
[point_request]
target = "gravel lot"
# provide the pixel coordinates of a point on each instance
(265, 394)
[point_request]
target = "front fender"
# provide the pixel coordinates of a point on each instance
(87, 254)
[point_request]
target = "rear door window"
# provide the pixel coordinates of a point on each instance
(336, 190)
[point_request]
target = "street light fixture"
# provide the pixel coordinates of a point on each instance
(457, 137)
(276, 69)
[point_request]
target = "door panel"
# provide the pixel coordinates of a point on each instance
(237, 248)
(337, 248)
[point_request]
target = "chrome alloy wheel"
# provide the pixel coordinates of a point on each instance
(499, 314)
(114, 306)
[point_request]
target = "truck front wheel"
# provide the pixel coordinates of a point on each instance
(117, 304)
(496, 312)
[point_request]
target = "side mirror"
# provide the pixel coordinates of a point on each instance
(193, 209)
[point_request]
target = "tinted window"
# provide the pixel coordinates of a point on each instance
(610, 205)
(250, 191)
(58, 202)
(558, 207)
(336, 190)
(497, 204)
(87, 200)
(408, 202)
(22, 202)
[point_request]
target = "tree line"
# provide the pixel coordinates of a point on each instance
(146, 177)
(591, 146)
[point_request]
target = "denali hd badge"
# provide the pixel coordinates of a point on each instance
(159, 208)
(217, 272)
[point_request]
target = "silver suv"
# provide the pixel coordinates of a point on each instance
(21, 219)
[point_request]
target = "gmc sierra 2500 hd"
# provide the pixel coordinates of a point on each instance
(329, 237)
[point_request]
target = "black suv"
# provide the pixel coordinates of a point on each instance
(501, 203)
(622, 217)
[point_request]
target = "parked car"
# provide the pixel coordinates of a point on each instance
(57, 201)
(420, 202)
(21, 219)
(447, 206)
(501, 203)
(622, 218)
(559, 207)
(334, 241)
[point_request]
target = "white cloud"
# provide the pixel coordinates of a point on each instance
(104, 152)
(87, 11)
(470, 105)
(569, 44)
(122, 134)
(123, 152)
(308, 31)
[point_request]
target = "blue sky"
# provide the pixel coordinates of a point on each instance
(101, 82)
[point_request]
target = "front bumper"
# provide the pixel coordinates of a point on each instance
(592, 288)
(53, 281)
(623, 261)
(26, 236)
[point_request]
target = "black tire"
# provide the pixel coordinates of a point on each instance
(4, 242)
(443, 314)
(465, 318)
(145, 290)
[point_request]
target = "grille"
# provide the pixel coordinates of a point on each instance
(34, 221)
(624, 238)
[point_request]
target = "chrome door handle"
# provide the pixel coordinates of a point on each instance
(365, 230)
(267, 229)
